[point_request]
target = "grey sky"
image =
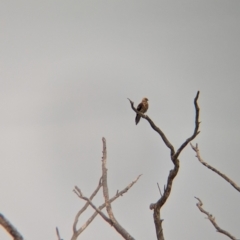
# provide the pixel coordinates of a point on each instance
(66, 71)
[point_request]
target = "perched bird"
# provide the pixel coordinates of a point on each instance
(142, 107)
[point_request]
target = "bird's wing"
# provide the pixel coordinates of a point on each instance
(140, 106)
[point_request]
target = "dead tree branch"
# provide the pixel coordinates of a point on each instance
(174, 157)
(10, 228)
(118, 194)
(196, 130)
(102, 183)
(115, 223)
(58, 234)
(212, 220)
(196, 149)
(80, 195)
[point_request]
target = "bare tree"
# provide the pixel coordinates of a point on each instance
(109, 216)
(195, 149)
(156, 207)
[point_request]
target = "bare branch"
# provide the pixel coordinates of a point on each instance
(10, 228)
(118, 194)
(158, 205)
(174, 157)
(58, 234)
(86, 206)
(212, 220)
(196, 130)
(214, 169)
(80, 195)
(116, 225)
(104, 181)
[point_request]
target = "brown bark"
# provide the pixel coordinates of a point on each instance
(102, 183)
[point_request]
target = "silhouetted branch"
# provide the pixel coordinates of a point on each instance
(104, 181)
(174, 157)
(85, 207)
(10, 228)
(214, 169)
(212, 220)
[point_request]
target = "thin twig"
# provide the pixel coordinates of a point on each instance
(103, 182)
(196, 149)
(118, 194)
(159, 190)
(174, 157)
(212, 220)
(115, 224)
(58, 234)
(80, 195)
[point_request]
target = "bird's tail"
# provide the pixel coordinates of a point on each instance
(137, 119)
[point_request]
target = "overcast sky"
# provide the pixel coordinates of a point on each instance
(66, 71)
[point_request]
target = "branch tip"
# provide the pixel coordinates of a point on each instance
(212, 220)
(226, 178)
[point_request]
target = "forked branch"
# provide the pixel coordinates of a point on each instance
(174, 157)
(75, 231)
(58, 234)
(196, 129)
(118, 194)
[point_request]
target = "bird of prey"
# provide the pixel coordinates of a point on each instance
(142, 107)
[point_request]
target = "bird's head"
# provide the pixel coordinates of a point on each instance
(145, 99)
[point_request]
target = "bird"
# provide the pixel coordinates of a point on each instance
(142, 107)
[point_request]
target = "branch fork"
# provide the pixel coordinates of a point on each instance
(174, 157)
(107, 202)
